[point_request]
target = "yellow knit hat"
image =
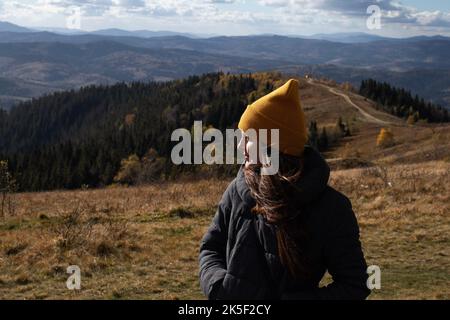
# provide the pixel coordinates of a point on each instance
(280, 109)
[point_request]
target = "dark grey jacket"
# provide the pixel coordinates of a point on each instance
(238, 254)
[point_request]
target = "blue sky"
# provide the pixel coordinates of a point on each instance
(443, 5)
(399, 18)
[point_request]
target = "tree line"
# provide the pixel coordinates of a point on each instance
(401, 103)
(78, 138)
(100, 135)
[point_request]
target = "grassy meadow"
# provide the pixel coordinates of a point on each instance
(142, 242)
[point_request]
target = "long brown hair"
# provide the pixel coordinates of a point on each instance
(275, 201)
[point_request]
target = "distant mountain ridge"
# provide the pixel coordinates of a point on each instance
(342, 37)
(403, 54)
(348, 37)
(10, 27)
(141, 33)
(38, 62)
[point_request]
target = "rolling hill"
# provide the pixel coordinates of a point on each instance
(141, 241)
(31, 70)
(135, 235)
(126, 240)
(401, 54)
(85, 134)
(10, 27)
(34, 63)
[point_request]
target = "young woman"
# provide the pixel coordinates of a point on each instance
(275, 236)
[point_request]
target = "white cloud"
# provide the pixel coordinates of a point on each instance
(276, 16)
(353, 12)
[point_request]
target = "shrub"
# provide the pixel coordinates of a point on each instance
(74, 231)
(129, 170)
(385, 138)
(7, 188)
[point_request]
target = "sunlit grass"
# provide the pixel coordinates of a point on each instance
(404, 229)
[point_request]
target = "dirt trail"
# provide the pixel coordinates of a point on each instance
(368, 117)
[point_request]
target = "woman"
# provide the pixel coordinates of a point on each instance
(275, 236)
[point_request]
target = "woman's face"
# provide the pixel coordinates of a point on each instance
(247, 147)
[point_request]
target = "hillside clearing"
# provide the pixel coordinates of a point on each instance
(142, 242)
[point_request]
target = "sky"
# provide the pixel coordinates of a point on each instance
(395, 18)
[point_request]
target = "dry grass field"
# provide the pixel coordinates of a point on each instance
(142, 242)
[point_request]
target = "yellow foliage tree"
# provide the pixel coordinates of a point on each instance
(413, 118)
(129, 170)
(347, 86)
(385, 138)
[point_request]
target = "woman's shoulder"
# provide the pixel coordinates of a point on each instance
(335, 198)
(332, 208)
(229, 194)
(230, 198)
(236, 202)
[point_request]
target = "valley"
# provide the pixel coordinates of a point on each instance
(37, 63)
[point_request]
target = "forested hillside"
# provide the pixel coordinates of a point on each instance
(99, 135)
(75, 138)
(401, 103)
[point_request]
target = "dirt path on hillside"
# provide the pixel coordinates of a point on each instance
(367, 116)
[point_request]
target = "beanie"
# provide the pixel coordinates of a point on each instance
(280, 109)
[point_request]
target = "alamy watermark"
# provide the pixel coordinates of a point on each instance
(374, 21)
(258, 143)
(73, 21)
(74, 280)
(374, 279)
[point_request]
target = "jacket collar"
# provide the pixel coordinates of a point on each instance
(312, 183)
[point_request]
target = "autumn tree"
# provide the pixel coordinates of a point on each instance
(385, 138)
(152, 166)
(129, 170)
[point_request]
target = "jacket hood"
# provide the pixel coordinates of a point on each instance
(312, 183)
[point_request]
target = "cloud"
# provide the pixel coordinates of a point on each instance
(276, 16)
(274, 3)
(221, 1)
(356, 7)
(393, 12)
(410, 16)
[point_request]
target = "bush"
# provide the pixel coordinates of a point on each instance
(73, 231)
(140, 171)
(129, 170)
(152, 166)
(385, 138)
(7, 188)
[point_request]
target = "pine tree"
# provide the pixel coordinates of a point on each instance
(313, 140)
(323, 140)
(400, 102)
(340, 127)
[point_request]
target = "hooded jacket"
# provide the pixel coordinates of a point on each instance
(239, 256)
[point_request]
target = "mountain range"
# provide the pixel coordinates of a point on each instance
(10, 27)
(33, 62)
